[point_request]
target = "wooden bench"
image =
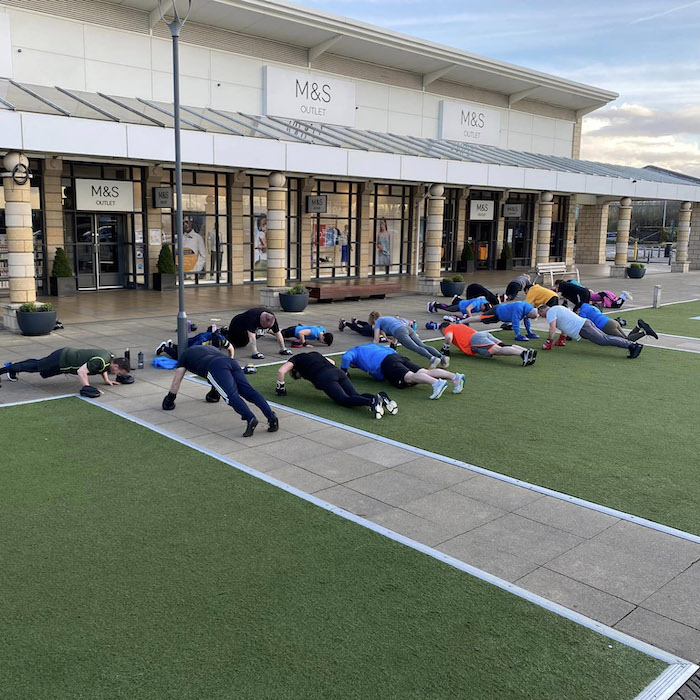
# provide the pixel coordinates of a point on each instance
(554, 268)
(351, 290)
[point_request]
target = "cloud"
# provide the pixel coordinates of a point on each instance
(663, 13)
(639, 120)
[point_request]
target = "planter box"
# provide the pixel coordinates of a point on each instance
(504, 264)
(293, 302)
(451, 289)
(164, 283)
(62, 286)
(465, 266)
(36, 322)
(636, 272)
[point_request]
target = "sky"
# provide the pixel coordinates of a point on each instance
(647, 51)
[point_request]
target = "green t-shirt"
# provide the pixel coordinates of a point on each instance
(97, 361)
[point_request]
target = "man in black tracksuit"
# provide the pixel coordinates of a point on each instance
(227, 379)
(325, 376)
(243, 327)
(575, 293)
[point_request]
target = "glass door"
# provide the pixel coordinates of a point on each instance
(85, 251)
(99, 245)
(483, 235)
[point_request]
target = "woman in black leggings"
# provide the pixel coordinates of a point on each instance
(478, 290)
(326, 377)
(361, 327)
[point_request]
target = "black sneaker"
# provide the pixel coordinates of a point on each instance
(11, 376)
(273, 424)
(621, 321)
(250, 428)
(506, 326)
(635, 350)
(525, 357)
(647, 328)
(213, 396)
(389, 405)
(341, 325)
(377, 407)
(533, 357)
(455, 299)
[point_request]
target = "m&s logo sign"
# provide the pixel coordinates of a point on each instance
(314, 91)
(459, 122)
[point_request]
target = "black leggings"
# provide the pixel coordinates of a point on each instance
(338, 387)
(48, 366)
(452, 308)
(227, 377)
(512, 290)
(361, 327)
(478, 290)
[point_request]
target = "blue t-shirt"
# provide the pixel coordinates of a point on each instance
(368, 358)
(477, 304)
(389, 324)
(592, 314)
(314, 334)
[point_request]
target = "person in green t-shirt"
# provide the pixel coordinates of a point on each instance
(83, 363)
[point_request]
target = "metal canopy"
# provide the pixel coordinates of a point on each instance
(72, 103)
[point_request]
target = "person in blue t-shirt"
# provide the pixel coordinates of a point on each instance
(302, 334)
(610, 326)
(513, 312)
(398, 328)
(382, 363)
(465, 307)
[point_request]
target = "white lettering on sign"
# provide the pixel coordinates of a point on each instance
(316, 204)
(309, 97)
(469, 123)
(512, 211)
(481, 210)
(104, 195)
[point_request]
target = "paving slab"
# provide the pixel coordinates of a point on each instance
(340, 467)
(300, 478)
(454, 511)
(393, 487)
(501, 493)
(255, 459)
(414, 527)
(339, 438)
(184, 429)
(576, 596)
(383, 453)
(353, 501)
(294, 448)
(436, 471)
(679, 599)
(217, 442)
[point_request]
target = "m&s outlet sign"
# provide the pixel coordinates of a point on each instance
(308, 97)
(469, 123)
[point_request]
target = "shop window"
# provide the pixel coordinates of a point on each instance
(392, 231)
(519, 229)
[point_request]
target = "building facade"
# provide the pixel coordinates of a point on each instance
(314, 147)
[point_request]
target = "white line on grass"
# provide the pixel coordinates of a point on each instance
(45, 398)
(661, 688)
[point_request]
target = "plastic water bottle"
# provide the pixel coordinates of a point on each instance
(414, 325)
(140, 361)
(127, 357)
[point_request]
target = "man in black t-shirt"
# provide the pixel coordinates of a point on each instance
(325, 376)
(243, 330)
(227, 379)
(575, 293)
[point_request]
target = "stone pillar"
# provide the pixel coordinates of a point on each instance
(154, 177)
(366, 233)
(20, 239)
(53, 210)
(500, 224)
(429, 282)
(623, 238)
(570, 232)
(236, 254)
(592, 230)
(462, 222)
(681, 264)
(276, 240)
(694, 240)
(306, 233)
(544, 227)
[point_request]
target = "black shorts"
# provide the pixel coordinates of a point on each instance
(395, 367)
(490, 316)
(289, 332)
(238, 337)
(554, 301)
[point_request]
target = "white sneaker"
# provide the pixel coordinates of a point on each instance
(377, 407)
(445, 362)
(450, 319)
(161, 347)
(439, 388)
(434, 362)
(626, 296)
(458, 383)
(389, 404)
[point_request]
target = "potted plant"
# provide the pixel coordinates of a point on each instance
(295, 298)
(466, 264)
(61, 281)
(636, 270)
(452, 286)
(505, 262)
(165, 280)
(36, 320)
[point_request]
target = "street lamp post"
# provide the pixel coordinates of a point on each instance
(175, 27)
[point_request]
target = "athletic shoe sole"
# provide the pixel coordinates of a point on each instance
(437, 393)
(459, 385)
(647, 328)
(389, 404)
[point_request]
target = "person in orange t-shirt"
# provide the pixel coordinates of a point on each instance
(483, 343)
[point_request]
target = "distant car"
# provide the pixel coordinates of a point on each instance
(611, 238)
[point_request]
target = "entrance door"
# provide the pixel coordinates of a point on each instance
(483, 235)
(100, 242)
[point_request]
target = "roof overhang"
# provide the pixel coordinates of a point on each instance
(319, 31)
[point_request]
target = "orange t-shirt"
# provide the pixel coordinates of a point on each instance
(461, 336)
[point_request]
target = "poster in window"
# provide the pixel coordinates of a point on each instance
(194, 248)
(260, 241)
(383, 243)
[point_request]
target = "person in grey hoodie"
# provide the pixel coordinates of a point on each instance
(520, 284)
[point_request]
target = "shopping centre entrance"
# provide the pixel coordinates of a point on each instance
(100, 242)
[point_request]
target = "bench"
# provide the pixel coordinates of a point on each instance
(554, 268)
(351, 290)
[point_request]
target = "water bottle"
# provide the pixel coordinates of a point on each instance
(127, 357)
(140, 360)
(414, 325)
(189, 325)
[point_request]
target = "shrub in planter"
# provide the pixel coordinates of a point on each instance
(452, 286)
(61, 281)
(505, 262)
(636, 270)
(165, 279)
(295, 299)
(466, 264)
(36, 320)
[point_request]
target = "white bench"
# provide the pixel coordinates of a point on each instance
(555, 268)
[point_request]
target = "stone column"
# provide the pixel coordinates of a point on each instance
(501, 223)
(681, 264)
(570, 232)
(236, 254)
(623, 238)
(276, 240)
(592, 230)
(306, 232)
(429, 282)
(544, 227)
(694, 240)
(53, 210)
(366, 232)
(20, 239)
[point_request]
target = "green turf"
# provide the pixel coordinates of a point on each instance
(584, 420)
(676, 319)
(134, 567)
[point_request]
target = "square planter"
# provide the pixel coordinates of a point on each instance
(164, 283)
(465, 266)
(62, 286)
(502, 264)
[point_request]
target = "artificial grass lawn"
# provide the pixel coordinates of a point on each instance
(676, 319)
(136, 567)
(583, 420)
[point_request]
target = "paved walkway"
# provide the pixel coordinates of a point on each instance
(633, 578)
